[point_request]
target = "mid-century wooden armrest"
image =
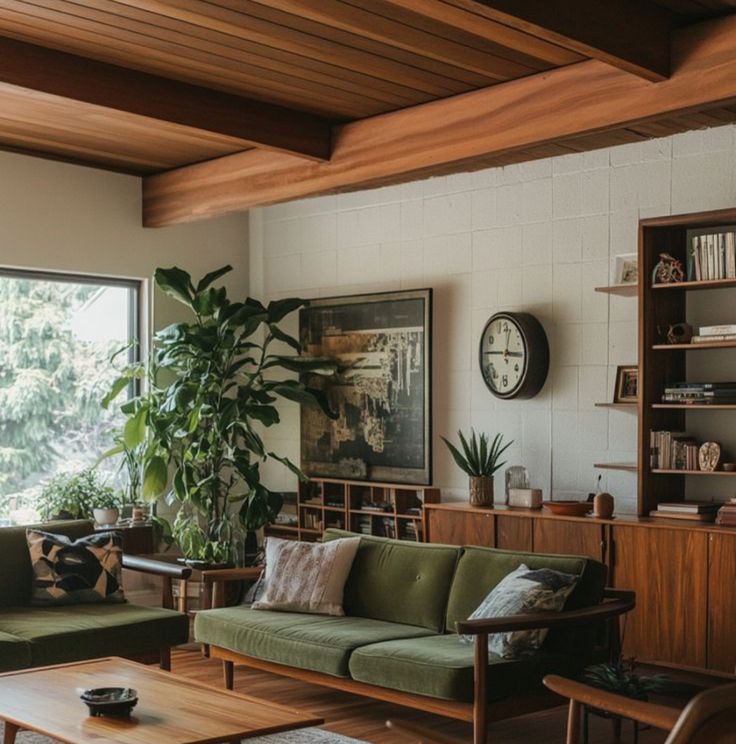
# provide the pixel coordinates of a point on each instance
(153, 566)
(660, 716)
(231, 574)
(620, 602)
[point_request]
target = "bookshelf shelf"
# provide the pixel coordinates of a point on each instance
(661, 471)
(618, 406)
(703, 284)
(628, 467)
(696, 406)
(622, 290)
(695, 347)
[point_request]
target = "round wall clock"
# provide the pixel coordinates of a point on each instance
(514, 355)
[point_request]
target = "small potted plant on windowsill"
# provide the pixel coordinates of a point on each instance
(106, 507)
(73, 495)
(480, 460)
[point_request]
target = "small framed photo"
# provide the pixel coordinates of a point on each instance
(627, 385)
(626, 269)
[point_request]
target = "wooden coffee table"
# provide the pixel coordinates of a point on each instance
(171, 709)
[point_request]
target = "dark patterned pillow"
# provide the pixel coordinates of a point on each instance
(87, 570)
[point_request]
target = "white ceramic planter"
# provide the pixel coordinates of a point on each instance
(106, 517)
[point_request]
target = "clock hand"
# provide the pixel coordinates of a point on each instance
(506, 353)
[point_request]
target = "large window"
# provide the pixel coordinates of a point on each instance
(57, 336)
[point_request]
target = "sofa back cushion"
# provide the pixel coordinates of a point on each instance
(481, 569)
(16, 573)
(399, 581)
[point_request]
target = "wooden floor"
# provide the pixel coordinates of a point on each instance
(364, 719)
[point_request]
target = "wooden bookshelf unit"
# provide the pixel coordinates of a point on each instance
(661, 363)
(382, 509)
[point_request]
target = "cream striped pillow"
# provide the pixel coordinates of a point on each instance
(307, 577)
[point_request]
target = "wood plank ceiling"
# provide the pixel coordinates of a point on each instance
(281, 74)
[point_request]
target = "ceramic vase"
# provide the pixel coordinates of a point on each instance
(106, 517)
(481, 491)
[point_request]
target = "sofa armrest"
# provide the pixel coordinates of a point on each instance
(214, 581)
(167, 572)
(616, 602)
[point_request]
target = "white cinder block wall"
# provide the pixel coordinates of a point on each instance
(538, 237)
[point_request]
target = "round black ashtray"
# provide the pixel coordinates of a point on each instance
(110, 701)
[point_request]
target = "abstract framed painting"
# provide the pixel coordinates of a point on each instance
(383, 399)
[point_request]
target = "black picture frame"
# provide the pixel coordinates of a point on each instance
(400, 414)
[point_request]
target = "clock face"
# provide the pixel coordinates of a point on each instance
(514, 355)
(503, 355)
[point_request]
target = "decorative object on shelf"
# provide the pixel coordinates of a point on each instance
(726, 516)
(525, 498)
(603, 504)
(569, 508)
(514, 355)
(479, 459)
(626, 269)
(701, 393)
(516, 476)
(709, 456)
(679, 333)
(627, 384)
(668, 270)
(729, 467)
(383, 402)
(213, 381)
(694, 511)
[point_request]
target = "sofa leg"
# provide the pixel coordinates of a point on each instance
(228, 669)
(480, 704)
(165, 662)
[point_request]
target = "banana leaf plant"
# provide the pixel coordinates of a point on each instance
(212, 388)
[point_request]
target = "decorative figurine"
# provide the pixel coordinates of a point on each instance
(680, 333)
(668, 271)
(709, 456)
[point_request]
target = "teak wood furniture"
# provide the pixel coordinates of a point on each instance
(683, 574)
(326, 503)
(170, 709)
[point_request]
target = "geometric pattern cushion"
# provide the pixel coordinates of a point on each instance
(76, 572)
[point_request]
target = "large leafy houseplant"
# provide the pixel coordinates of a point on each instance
(212, 385)
(74, 495)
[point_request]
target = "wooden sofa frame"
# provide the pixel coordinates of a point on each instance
(616, 602)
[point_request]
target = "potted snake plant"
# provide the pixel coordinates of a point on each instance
(479, 458)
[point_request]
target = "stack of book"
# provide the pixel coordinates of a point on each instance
(671, 450)
(708, 334)
(727, 514)
(712, 257)
(695, 511)
(700, 393)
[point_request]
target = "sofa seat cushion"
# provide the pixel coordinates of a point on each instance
(75, 632)
(320, 643)
(15, 653)
(442, 667)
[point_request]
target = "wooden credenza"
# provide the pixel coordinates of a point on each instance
(684, 575)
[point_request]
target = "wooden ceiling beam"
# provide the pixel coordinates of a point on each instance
(633, 35)
(575, 101)
(254, 123)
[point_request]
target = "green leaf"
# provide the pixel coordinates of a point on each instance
(207, 302)
(279, 335)
(213, 276)
(117, 387)
(315, 365)
(267, 415)
(155, 477)
(289, 464)
(134, 432)
(306, 396)
(118, 449)
(176, 283)
(279, 309)
(461, 462)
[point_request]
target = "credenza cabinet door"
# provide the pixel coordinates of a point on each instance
(722, 602)
(461, 527)
(514, 533)
(570, 538)
(668, 570)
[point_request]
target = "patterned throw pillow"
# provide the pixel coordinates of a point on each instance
(87, 570)
(306, 577)
(523, 591)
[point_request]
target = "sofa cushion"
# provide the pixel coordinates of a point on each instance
(440, 666)
(321, 643)
(481, 569)
(15, 653)
(16, 574)
(75, 632)
(400, 582)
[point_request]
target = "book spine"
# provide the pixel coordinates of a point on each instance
(718, 330)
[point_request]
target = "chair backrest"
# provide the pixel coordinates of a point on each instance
(709, 718)
(16, 574)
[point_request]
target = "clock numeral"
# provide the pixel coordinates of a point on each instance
(505, 380)
(516, 368)
(490, 340)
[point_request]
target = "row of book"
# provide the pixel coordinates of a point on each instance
(700, 393)
(712, 257)
(671, 450)
(708, 334)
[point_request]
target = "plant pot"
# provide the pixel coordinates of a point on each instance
(481, 491)
(106, 517)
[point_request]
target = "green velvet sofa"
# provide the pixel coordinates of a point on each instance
(405, 603)
(33, 636)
